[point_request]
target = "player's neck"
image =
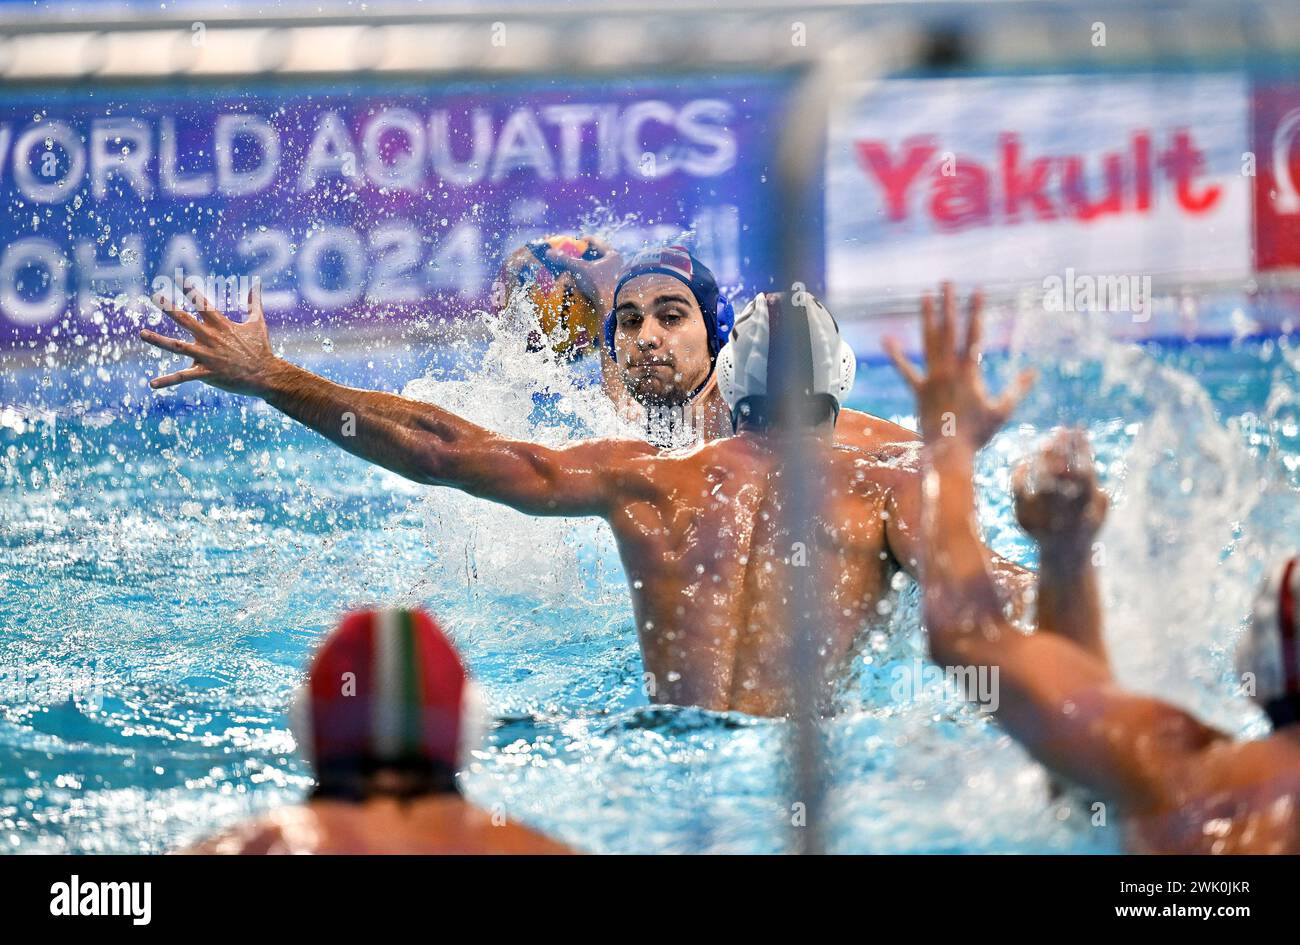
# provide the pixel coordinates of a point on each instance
(716, 418)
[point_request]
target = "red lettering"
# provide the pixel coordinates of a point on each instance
(1076, 189)
(896, 180)
(961, 199)
(1018, 187)
(1182, 161)
(1023, 187)
(1142, 169)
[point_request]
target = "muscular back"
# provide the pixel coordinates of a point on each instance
(710, 569)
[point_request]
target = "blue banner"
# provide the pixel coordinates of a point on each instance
(370, 200)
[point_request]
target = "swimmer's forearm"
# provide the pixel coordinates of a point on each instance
(404, 436)
(950, 511)
(1015, 584)
(959, 590)
(1069, 596)
(954, 464)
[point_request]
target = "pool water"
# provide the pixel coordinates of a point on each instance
(168, 562)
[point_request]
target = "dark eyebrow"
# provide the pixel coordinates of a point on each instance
(668, 298)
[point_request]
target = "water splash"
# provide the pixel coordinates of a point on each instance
(195, 548)
(1180, 550)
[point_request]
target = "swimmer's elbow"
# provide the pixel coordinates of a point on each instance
(964, 629)
(946, 641)
(433, 463)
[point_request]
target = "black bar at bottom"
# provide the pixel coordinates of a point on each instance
(338, 895)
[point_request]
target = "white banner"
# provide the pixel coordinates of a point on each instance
(1015, 180)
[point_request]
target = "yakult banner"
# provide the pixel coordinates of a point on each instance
(1018, 179)
(362, 202)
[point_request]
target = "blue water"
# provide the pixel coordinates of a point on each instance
(168, 563)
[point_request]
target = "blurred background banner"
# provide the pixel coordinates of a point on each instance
(1277, 196)
(362, 202)
(373, 162)
(1005, 180)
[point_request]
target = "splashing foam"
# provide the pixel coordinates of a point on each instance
(1179, 565)
(560, 564)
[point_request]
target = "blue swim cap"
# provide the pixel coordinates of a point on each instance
(677, 261)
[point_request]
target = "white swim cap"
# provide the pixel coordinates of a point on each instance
(1270, 651)
(824, 361)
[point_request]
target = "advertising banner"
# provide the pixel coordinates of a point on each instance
(1019, 179)
(366, 200)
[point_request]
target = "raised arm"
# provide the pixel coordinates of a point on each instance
(1059, 503)
(1053, 696)
(417, 440)
(903, 527)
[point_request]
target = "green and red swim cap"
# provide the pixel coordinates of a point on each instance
(387, 691)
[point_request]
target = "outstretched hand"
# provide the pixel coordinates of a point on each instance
(951, 399)
(1056, 491)
(234, 356)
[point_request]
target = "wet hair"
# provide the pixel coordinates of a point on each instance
(363, 780)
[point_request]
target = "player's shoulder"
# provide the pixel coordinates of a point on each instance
(612, 450)
(865, 431)
(876, 449)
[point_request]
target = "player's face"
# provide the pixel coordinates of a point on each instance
(661, 340)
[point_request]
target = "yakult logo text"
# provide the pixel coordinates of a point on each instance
(1022, 186)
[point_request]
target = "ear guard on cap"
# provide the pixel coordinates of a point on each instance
(848, 371)
(726, 371)
(742, 363)
(726, 322)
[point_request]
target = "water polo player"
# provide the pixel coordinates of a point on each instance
(695, 529)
